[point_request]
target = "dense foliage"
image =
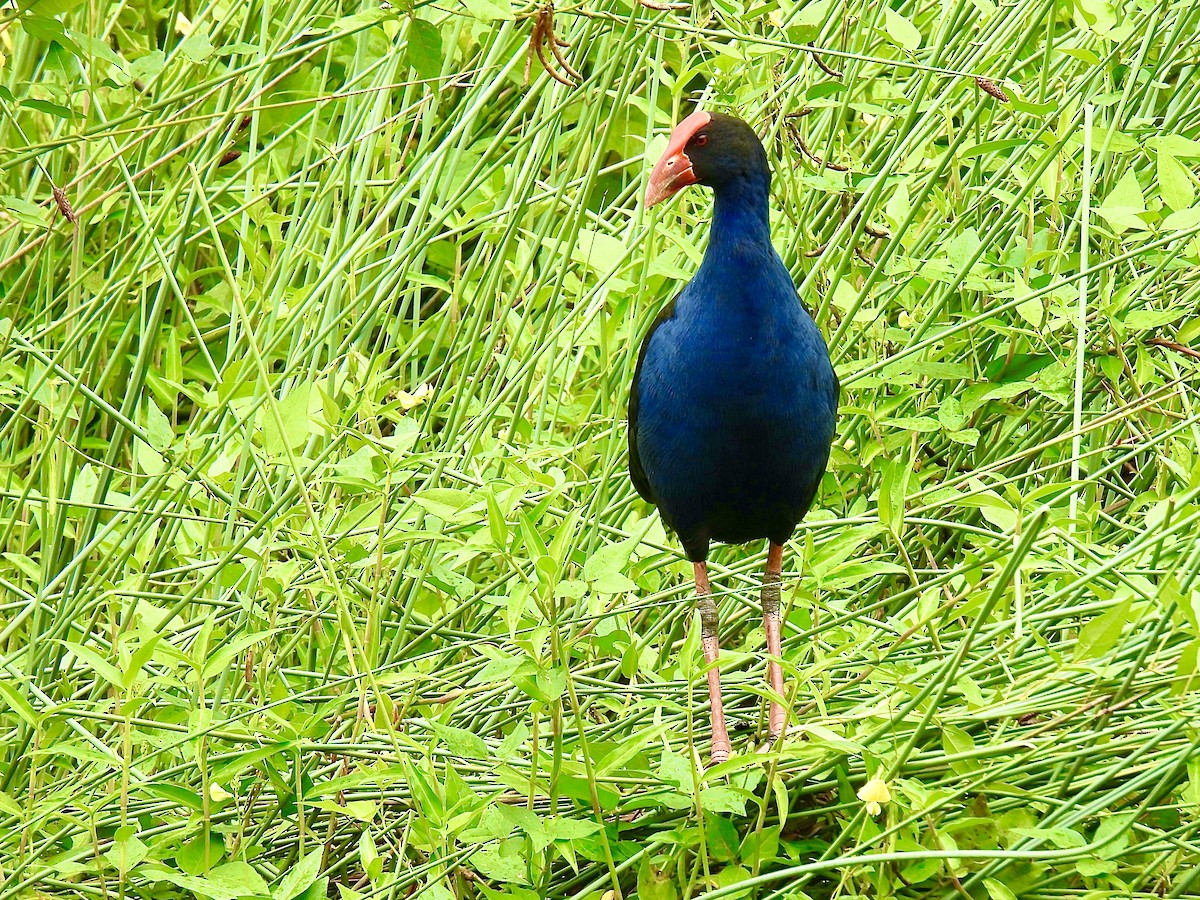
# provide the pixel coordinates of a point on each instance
(320, 573)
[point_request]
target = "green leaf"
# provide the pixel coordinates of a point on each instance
(900, 29)
(230, 768)
(1032, 311)
(893, 493)
(44, 27)
(1123, 204)
(570, 589)
(98, 663)
(689, 652)
(1098, 16)
(1059, 836)
(676, 769)
(962, 248)
(368, 855)
(951, 414)
(173, 792)
(126, 853)
(157, 425)
(1092, 867)
(994, 508)
(300, 877)
(1182, 220)
(359, 21)
(137, 661)
(924, 424)
(461, 742)
(968, 436)
(231, 881)
(1113, 834)
(48, 7)
(545, 684)
(502, 867)
(18, 704)
(91, 47)
(560, 828)
(598, 251)
(199, 855)
(424, 48)
(148, 67)
(218, 660)
(51, 109)
(292, 427)
(722, 837)
(497, 525)
(1174, 182)
(655, 882)
(242, 878)
(609, 559)
(363, 810)
(1101, 634)
(609, 583)
(760, 847)
(1177, 145)
(28, 214)
(813, 13)
(1146, 319)
(445, 503)
(822, 736)
(489, 10)
(1082, 55)
(9, 806)
(196, 46)
(720, 798)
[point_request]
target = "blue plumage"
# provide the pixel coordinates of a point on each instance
(733, 403)
(734, 400)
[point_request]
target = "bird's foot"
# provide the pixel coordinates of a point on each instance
(718, 755)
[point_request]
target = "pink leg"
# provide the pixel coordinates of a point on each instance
(712, 647)
(771, 624)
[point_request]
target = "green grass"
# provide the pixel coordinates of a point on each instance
(321, 573)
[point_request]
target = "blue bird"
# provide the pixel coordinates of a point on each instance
(734, 399)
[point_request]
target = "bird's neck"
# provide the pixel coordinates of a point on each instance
(741, 216)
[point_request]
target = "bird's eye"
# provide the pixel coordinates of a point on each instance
(701, 140)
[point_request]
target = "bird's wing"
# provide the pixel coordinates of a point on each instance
(636, 473)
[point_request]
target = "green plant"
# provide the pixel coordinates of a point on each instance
(320, 566)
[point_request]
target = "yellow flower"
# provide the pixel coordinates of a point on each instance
(874, 793)
(416, 398)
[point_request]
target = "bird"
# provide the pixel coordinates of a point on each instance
(733, 404)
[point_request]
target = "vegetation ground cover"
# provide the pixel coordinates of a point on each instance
(321, 574)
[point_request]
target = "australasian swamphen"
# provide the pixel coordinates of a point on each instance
(733, 402)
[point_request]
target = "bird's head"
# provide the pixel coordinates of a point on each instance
(710, 149)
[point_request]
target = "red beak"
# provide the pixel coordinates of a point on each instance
(673, 171)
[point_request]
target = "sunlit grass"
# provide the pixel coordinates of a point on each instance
(319, 556)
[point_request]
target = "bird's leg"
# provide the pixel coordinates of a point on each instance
(712, 648)
(771, 624)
